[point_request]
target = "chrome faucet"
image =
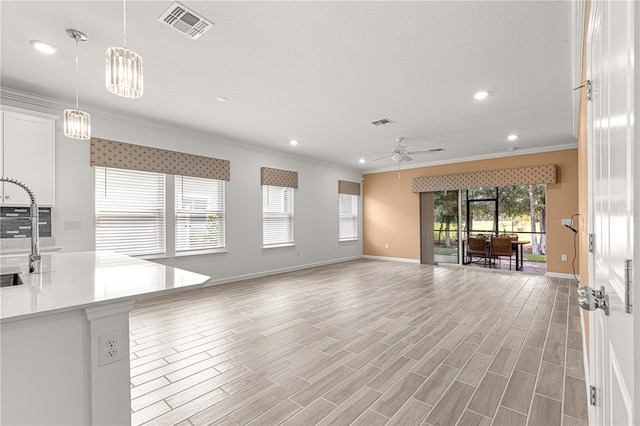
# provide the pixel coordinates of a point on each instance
(34, 257)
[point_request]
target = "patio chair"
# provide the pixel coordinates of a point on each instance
(477, 247)
(501, 247)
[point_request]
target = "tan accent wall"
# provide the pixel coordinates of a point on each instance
(391, 211)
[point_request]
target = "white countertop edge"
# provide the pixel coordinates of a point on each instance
(14, 251)
(103, 302)
(69, 282)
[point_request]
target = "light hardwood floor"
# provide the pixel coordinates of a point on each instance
(365, 342)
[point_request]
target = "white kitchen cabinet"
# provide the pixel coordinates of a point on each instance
(27, 147)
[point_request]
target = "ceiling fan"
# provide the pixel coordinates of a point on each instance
(400, 153)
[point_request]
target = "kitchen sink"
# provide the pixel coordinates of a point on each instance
(7, 280)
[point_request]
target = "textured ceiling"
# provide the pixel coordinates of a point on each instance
(319, 72)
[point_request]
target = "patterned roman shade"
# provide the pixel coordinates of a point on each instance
(504, 177)
(278, 177)
(120, 155)
(346, 187)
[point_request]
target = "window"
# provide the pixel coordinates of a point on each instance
(130, 211)
(199, 213)
(348, 214)
(132, 206)
(277, 216)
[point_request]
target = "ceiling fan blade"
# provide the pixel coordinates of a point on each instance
(380, 158)
(405, 157)
(430, 151)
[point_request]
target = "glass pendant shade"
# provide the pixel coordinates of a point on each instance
(124, 72)
(77, 124)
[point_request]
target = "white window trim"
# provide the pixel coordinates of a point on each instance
(270, 246)
(170, 226)
(293, 221)
(357, 220)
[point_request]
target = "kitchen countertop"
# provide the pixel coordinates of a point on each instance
(23, 245)
(27, 251)
(70, 281)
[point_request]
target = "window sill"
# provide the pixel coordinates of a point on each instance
(151, 256)
(278, 246)
(341, 240)
(200, 252)
(181, 254)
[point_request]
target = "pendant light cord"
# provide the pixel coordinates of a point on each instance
(124, 23)
(77, 66)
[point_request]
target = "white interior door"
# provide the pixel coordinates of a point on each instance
(611, 133)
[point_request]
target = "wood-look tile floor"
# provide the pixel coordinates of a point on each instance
(365, 342)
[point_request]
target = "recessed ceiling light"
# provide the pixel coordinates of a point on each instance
(43, 47)
(293, 142)
(481, 95)
(512, 137)
(222, 99)
(361, 161)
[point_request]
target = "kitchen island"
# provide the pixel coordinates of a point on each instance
(64, 335)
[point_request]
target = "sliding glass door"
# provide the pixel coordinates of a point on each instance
(481, 211)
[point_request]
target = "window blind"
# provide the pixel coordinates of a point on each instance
(130, 212)
(277, 215)
(348, 216)
(199, 213)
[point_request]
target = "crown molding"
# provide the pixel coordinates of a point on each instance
(31, 99)
(537, 150)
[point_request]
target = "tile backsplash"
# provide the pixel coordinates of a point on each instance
(15, 223)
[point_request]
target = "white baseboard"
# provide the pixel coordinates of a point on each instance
(279, 271)
(559, 275)
(394, 259)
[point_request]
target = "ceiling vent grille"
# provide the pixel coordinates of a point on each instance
(382, 122)
(185, 21)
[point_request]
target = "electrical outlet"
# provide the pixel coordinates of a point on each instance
(386, 245)
(564, 257)
(72, 225)
(110, 348)
(567, 222)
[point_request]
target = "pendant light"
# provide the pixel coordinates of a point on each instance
(77, 124)
(124, 67)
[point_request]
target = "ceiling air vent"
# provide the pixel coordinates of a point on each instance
(382, 122)
(186, 21)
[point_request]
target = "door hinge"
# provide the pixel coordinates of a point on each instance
(628, 280)
(592, 395)
(589, 92)
(590, 243)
